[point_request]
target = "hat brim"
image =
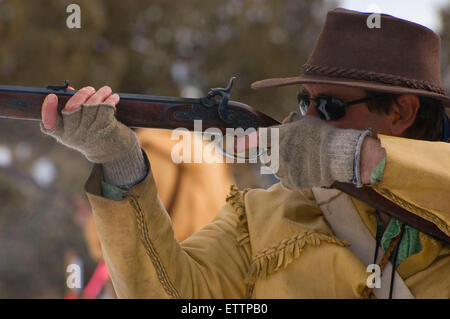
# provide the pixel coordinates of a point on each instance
(372, 86)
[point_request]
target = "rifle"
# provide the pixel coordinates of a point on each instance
(215, 110)
(144, 111)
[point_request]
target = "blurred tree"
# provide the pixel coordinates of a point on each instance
(154, 47)
(163, 46)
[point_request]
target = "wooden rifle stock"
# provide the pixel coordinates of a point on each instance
(148, 111)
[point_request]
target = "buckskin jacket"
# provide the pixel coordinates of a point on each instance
(278, 243)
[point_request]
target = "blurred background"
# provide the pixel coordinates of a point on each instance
(172, 48)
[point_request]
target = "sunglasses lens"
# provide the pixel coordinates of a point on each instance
(303, 104)
(330, 109)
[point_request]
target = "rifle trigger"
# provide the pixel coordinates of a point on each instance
(58, 87)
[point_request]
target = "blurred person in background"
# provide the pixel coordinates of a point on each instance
(292, 240)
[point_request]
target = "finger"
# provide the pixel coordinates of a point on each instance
(100, 96)
(91, 112)
(71, 88)
(285, 120)
(293, 116)
(113, 99)
(49, 111)
(79, 98)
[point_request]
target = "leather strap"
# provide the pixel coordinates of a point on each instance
(346, 223)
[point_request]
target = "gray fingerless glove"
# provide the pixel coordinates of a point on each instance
(314, 153)
(94, 131)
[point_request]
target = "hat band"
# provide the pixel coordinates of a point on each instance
(356, 74)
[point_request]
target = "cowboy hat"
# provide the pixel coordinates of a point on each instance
(396, 56)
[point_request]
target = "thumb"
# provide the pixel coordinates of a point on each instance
(49, 111)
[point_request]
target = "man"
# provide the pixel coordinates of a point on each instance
(299, 239)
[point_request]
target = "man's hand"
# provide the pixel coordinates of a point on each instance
(86, 95)
(314, 153)
(88, 124)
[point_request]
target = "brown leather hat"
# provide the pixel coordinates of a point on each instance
(399, 57)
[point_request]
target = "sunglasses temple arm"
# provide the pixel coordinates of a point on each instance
(364, 100)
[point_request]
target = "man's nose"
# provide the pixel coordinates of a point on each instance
(312, 110)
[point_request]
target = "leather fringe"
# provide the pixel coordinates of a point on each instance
(277, 257)
(236, 201)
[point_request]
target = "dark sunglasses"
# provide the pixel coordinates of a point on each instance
(328, 107)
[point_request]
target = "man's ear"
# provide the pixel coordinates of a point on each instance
(403, 113)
